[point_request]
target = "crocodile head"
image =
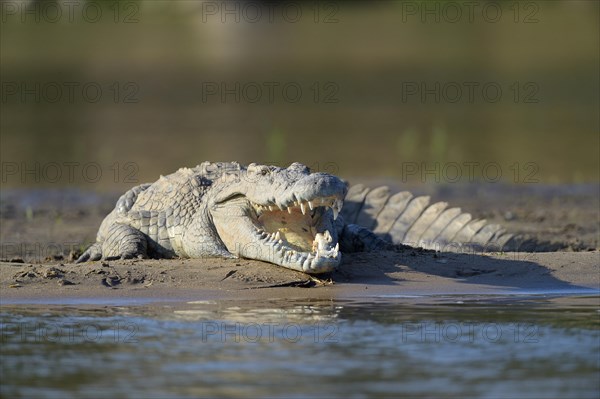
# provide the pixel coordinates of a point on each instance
(279, 215)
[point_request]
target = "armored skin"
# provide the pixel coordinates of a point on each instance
(286, 216)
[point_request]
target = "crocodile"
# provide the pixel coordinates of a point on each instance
(287, 216)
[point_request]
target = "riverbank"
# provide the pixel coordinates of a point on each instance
(383, 274)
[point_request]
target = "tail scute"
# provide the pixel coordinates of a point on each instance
(467, 233)
(423, 223)
(438, 225)
(453, 228)
(373, 203)
(353, 202)
(393, 208)
(486, 234)
(405, 221)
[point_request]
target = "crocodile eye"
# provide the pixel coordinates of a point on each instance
(299, 168)
(264, 170)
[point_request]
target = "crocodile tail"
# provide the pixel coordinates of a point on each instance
(405, 219)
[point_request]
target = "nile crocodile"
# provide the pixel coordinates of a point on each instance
(287, 216)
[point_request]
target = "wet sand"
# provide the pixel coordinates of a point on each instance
(383, 274)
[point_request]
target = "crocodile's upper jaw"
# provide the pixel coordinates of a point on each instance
(299, 235)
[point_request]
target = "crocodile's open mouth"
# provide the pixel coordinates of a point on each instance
(298, 229)
(299, 235)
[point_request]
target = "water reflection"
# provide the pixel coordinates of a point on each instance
(480, 347)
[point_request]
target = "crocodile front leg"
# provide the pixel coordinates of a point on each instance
(120, 242)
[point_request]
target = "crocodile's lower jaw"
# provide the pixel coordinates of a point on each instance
(322, 259)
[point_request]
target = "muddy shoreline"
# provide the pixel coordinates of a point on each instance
(384, 274)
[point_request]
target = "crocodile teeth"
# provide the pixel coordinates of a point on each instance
(310, 205)
(336, 206)
(289, 210)
(278, 236)
(303, 208)
(335, 213)
(336, 250)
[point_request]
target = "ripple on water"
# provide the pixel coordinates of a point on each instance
(530, 346)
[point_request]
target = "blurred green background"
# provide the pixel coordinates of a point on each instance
(167, 73)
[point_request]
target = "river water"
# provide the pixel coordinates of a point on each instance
(521, 346)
